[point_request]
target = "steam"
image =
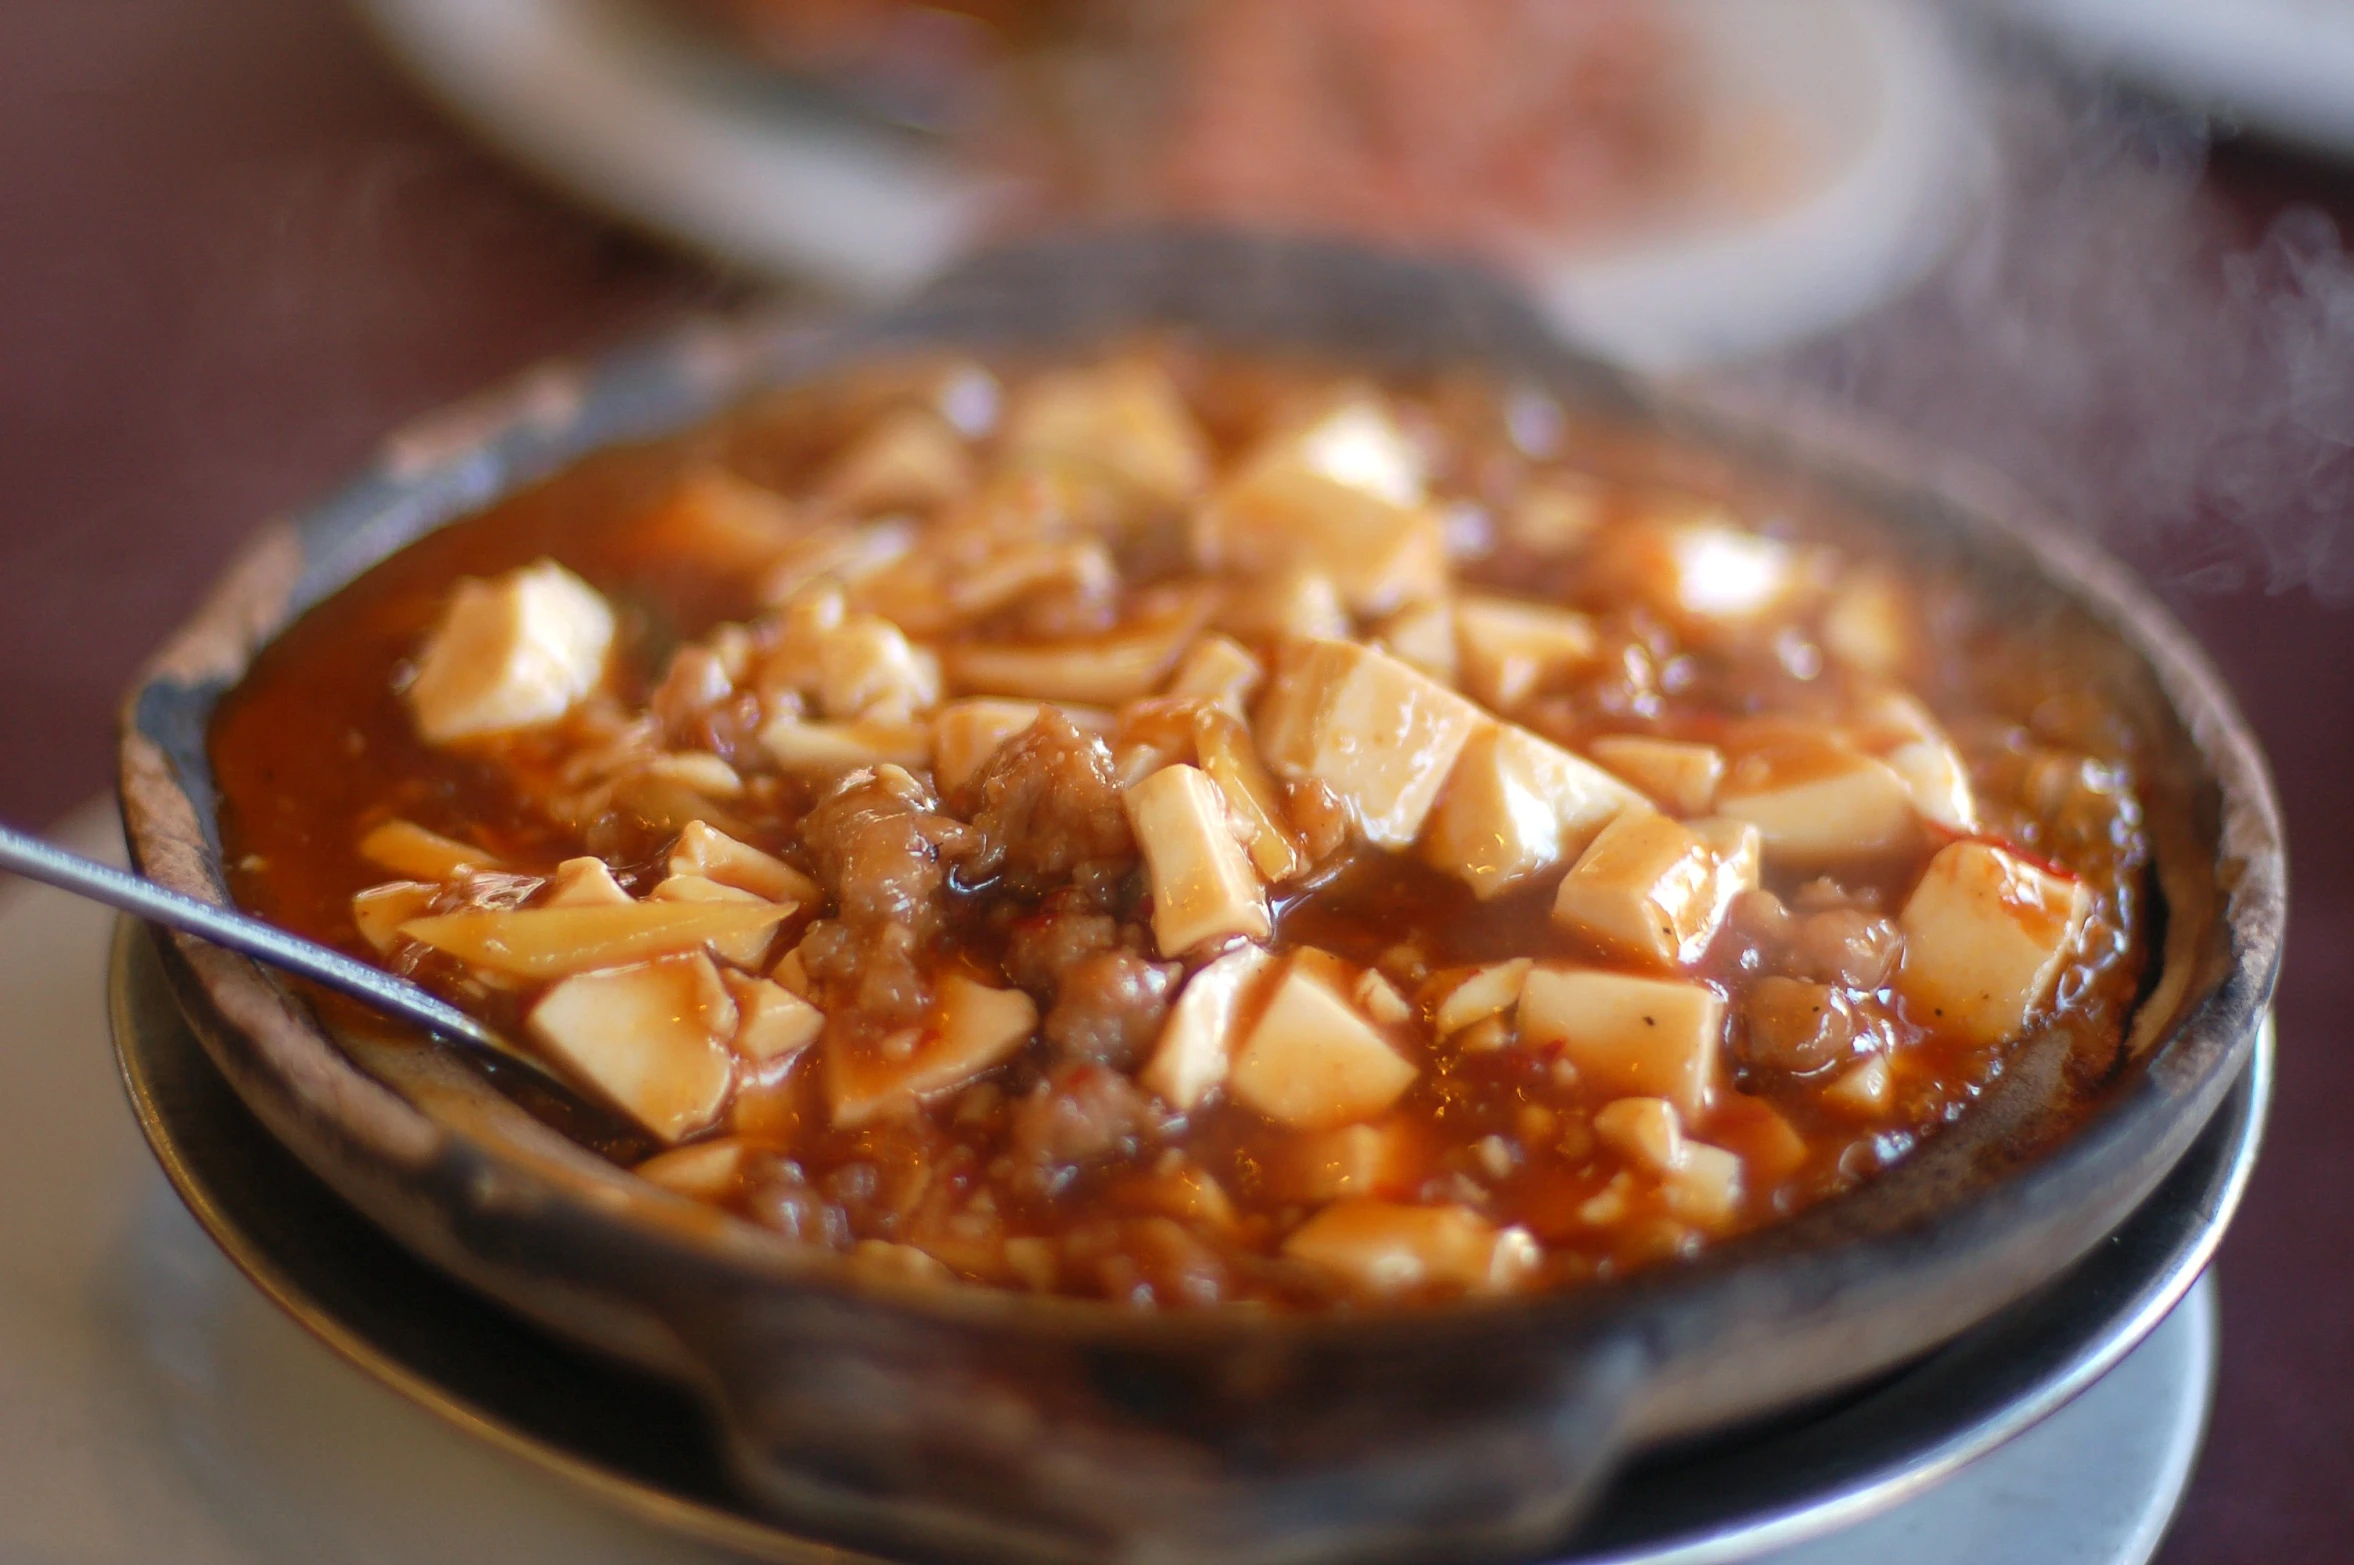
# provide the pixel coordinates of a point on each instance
(2106, 336)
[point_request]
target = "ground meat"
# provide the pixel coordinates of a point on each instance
(1079, 1114)
(1050, 811)
(876, 844)
(1065, 930)
(1109, 1007)
(1795, 1026)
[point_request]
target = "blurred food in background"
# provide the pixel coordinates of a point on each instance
(1677, 181)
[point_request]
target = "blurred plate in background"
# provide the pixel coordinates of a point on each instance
(1841, 152)
(2284, 66)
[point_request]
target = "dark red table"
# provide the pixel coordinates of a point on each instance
(234, 249)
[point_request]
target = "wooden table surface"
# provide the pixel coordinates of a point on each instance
(234, 249)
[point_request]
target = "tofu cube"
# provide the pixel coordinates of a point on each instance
(710, 1170)
(408, 849)
(1313, 1059)
(1383, 1158)
(1869, 625)
(909, 460)
(704, 850)
(868, 670)
(1707, 575)
(650, 1038)
(1284, 606)
(974, 1029)
(1190, 1059)
(745, 948)
(1223, 746)
(1342, 496)
(1628, 1036)
(1644, 1131)
(1220, 670)
(1485, 992)
(1818, 804)
(1985, 934)
(772, 1022)
(1383, 1248)
(1121, 665)
(1379, 735)
(1204, 888)
(585, 882)
(1422, 636)
(1680, 778)
(1652, 888)
(380, 911)
(509, 654)
(1515, 806)
(1511, 650)
(1864, 1090)
(1705, 1187)
(828, 749)
(966, 734)
(1937, 782)
(1125, 419)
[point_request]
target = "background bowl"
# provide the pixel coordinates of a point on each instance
(971, 1422)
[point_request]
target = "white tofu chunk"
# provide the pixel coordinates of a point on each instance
(1511, 650)
(1628, 1036)
(1863, 1090)
(1422, 636)
(1313, 1059)
(703, 849)
(699, 770)
(1680, 778)
(966, 734)
(1869, 625)
(380, 911)
(1654, 889)
(651, 1038)
(1985, 934)
(1342, 496)
(1382, 1158)
(1220, 670)
(887, 1261)
(554, 942)
(1705, 1186)
(408, 849)
(1026, 570)
(772, 1022)
(868, 670)
(1707, 575)
(1487, 991)
(1900, 731)
(1284, 606)
(1379, 735)
(1223, 746)
(710, 1170)
(1380, 1247)
(1515, 806)
(745, 948)
(1556, 514)
(1818, 804)
(1644, 1131)
(508, 654)
(974, 1029)
(1379, 999)
(825, 749)
(909, 460)
(585, 882)
(1197, 1042)
(1204, 888)
(1126, 419)
(1121, 665)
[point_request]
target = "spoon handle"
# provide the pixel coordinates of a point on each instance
(35, 859)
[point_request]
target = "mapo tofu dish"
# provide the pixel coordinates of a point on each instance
(1186, 828)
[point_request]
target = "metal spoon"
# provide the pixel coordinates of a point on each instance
(35, 859)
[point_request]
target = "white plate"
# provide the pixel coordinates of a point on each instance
(1876, 154)
(154, 1406)
(2286, 66)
